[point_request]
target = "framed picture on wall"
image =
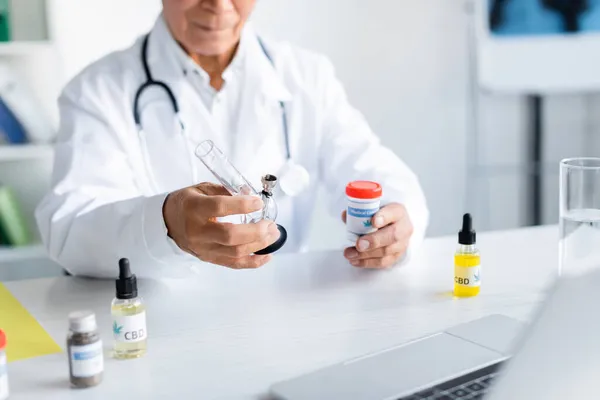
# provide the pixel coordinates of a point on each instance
(538, 46)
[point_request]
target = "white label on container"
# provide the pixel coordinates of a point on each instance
(467, 276)
(3, 377)
(87, 360)
(130, 328)
(359, 216)
(3, 387)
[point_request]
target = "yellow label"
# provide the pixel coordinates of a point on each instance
(25, 337)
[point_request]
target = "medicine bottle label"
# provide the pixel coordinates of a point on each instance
(87, 360)
(467, 276)
(130, 328)
(360, 215)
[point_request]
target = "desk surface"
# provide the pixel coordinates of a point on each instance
(231, 334)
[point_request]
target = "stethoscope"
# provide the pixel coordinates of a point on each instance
(293, 178)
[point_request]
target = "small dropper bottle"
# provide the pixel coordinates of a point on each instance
(467, 268)
(129, 316)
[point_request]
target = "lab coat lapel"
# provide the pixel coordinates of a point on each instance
(164, 67)
(167, 68)
(260, 113)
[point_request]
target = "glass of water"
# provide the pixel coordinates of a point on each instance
(579, 248)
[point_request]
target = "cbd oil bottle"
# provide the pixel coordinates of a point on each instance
(128, 315)
(467, 268)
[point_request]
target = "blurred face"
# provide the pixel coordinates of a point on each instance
(207, 27)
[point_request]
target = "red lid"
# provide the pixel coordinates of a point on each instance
(2, 339)
(364, 190)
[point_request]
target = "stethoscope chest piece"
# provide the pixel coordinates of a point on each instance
(293, 179)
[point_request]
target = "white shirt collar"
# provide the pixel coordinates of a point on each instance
(166, 57)
(189, 66)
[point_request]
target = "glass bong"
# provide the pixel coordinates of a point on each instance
(237, 185)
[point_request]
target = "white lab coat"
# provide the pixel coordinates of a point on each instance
(105, 204)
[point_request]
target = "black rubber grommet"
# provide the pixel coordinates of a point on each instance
(278, 243)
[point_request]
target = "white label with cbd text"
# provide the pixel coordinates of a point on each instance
(130, 328)
(467, 276)
(87, 360)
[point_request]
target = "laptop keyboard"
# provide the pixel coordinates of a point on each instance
(471, 386)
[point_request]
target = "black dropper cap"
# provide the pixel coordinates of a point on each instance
(467, 235)
(127, 282)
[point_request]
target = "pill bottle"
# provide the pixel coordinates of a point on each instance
(3, 370)
(364, 199)
(84, 346)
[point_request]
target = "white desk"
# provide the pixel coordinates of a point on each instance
(231, 334)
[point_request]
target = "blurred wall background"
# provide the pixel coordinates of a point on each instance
(408, 65)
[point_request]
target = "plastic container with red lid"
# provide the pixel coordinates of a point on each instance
(364, 198)
(3, 371)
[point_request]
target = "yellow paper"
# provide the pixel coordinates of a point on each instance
(24, 335)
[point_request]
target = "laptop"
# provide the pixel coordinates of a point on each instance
(556, 356)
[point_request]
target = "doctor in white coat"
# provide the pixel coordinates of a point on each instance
(123, 190)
